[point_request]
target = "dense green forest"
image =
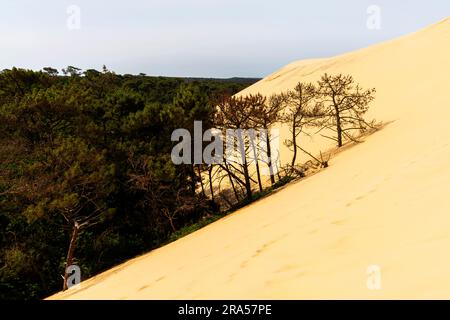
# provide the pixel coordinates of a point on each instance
(91, 149)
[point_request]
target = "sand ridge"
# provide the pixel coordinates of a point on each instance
(382, 202)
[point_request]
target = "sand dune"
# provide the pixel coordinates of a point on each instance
(383, 202)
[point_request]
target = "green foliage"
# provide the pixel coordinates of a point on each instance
(92, 147)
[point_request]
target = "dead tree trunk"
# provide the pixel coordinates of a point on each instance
(169, 217)
(70, 252)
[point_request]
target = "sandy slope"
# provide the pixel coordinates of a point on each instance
(385, 201)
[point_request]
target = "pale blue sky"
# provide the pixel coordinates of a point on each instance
(205, 38)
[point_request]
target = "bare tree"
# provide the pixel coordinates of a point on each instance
(265, 113)
(72, 208)
(344, 104)
(234, 113)
(302, 110)
(255, 154)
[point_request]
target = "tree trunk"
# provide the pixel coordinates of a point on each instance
(339, 131)
(171, 224)
(338, 125)
(269, 158)
(255, 155)
(248, 188)
(259, 177)
(294, 143)
(70, 252)
(210, 182)
(278, 171)
(231, 181)
(193, 179)
(201, 180)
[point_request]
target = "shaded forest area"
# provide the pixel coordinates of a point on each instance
(88, 152)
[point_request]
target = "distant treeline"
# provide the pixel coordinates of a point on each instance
(85, 171)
